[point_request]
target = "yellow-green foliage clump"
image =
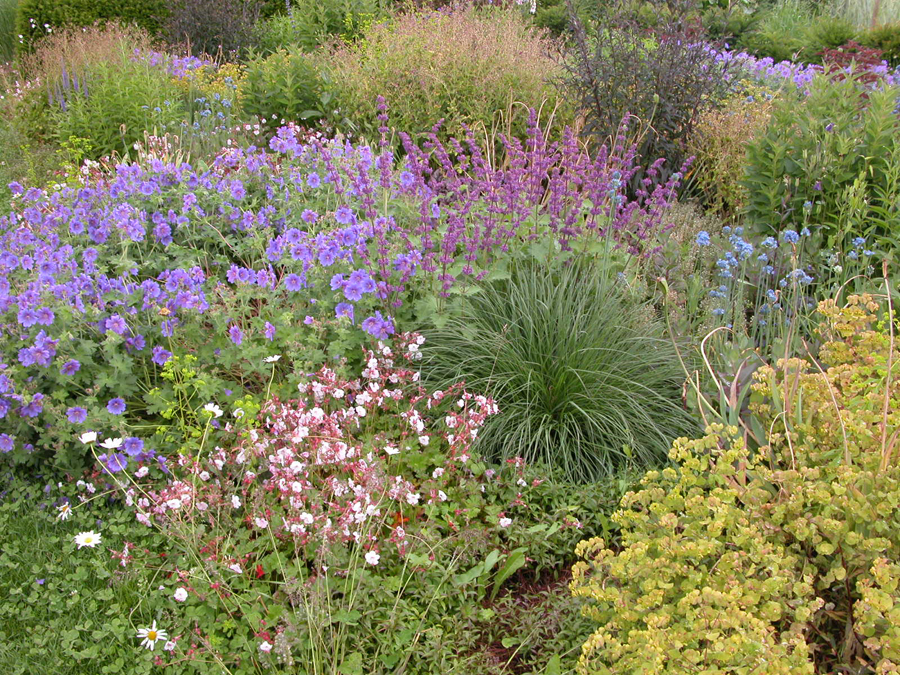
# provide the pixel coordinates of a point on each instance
(784, 559)
(480, 68)
(720, 146)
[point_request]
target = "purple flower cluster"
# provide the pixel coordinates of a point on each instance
(316, 228)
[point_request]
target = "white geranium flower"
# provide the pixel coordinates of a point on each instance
(150, 636)
(90, 539)
(505, 522)
(265, 647)
(214, 409)
(373, 558)
(181, 594)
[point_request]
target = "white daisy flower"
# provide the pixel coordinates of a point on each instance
(90, 539)
(65, 510)
(150, 636)
(272, 359)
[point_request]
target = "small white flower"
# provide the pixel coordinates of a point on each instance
(505, 522)
(521, 482)
(262, 522)
(180, 595)
(204, 475)
(450, 421)
(272, 359)
(169, 646)
(373, 558)
(214, 409)
(339, 393)
(412, 498)
(235, 568)
(265, 647)
(424, 440)
(174, 504)
(151, 636)
(65, 510)
(140, 473)
(111, 443)
(88, 437)
(238, 413)
(391, 449)
(235, 502)
(89, 539)
(442, 495)
(438, 472)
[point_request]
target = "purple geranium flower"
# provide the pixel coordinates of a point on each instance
(293, 282)
(116, 406)
(116, 324)
(344, 309)
(344, 215)
(160, 355)
(236, 335)
(269, 331)
(70, 367)
(76, 414)
(114, 462)
(133, 446)
(7, 442)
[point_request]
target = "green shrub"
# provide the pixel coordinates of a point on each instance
(8, 37)
(584, 377)
(286, 86)
(311, 23)
(212, 26)
(33, 16)
(662, 82)
(887, 39)
(58, 61)
(467, 67)
(832, 160)
(117, 101)
(796, 30)
(720, 147)
(781, 560)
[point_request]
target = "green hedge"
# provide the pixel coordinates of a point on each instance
(32, 15)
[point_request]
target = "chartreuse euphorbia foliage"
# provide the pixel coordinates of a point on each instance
(779, 560)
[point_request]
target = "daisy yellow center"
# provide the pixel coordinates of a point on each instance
(151, 635)
(88, 540)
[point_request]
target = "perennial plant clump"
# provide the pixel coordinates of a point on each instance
(785, 558)
(167, 285)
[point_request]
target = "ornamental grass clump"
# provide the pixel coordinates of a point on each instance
(784, 559)
(585, 379)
